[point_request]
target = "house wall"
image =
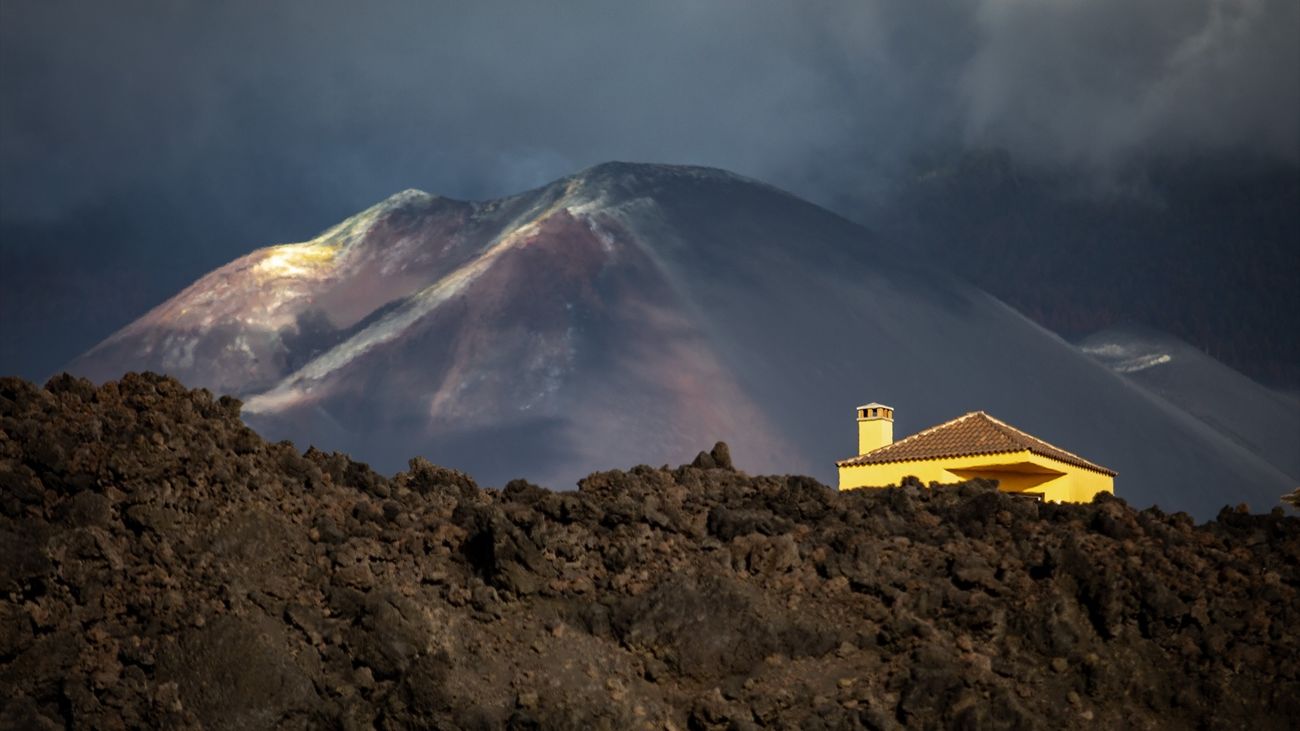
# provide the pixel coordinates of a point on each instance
(1023, 472)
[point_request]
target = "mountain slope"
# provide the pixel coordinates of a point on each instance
(1207, 250)
(629, 313)
(1262, 420)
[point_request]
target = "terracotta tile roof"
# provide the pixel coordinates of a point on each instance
(973, 434)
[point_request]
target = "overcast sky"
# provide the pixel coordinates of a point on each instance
(358, 100)
(185, 132)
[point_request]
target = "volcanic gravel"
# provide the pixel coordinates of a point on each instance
(162, 566)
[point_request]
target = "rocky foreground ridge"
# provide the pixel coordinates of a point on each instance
(163, 566)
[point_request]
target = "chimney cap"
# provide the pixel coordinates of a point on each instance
(875, 405)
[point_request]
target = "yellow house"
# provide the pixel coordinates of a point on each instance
(970, 446)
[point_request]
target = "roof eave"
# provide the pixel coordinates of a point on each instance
(1081, 464)
(847, 462)
(1089, 466)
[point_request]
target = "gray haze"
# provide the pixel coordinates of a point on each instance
(357, 100)
(144, 143)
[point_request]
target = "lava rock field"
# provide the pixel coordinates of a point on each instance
(162, 566)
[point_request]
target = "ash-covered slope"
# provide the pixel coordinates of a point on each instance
(629, 313)
(164, 567)
(246, 325)
(1203, 248)
(1261, 419)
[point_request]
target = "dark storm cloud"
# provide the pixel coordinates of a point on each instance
(1096, 82)
(354, 101)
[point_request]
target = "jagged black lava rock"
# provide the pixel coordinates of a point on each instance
(162, 566)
